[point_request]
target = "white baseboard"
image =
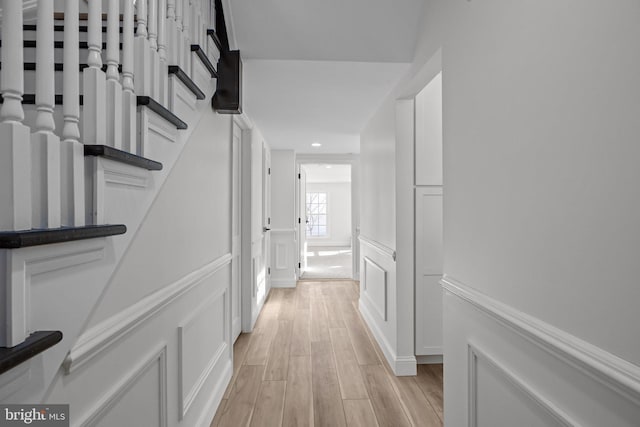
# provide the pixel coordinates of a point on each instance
(216, 397)
(401, 365)
(433, 359)
(283, 283)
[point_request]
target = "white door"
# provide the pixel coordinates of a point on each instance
(266, 218)
(236, 174)
(302, 221)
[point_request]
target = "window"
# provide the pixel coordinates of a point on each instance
(316, 214)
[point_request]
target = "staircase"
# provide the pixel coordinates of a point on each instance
(98, 101)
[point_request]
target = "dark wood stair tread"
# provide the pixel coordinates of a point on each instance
(156, 107)
(122, 157)
(205, 60)
(35, 344)
(184, 78)
(214, 36)
(38, 237)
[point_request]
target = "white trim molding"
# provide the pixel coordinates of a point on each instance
(104, 334)
(617, 374)
(474, 355)
(383, 249)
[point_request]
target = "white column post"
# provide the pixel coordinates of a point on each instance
(114, 88)
(72, 151)
(142, 65)
(15, 150)
(45, 145)
(94, 127)
(128, 96)
(163, 81)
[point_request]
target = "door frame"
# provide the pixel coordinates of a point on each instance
(341, 159)
(246, 126)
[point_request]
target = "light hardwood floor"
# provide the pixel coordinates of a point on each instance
(311, 361)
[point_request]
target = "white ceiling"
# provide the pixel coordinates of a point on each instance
(316, 71)
(297, 103)
(327, 30)
(322, 174)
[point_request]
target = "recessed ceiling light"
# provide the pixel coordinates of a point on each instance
(328, 166)
(316, 144)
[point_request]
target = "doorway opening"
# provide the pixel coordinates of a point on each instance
(326, 234)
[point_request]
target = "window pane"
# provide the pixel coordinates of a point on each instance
(322, 209)
(322, 197)
(322, 230)
(322, 220)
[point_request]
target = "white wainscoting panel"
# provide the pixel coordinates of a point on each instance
(505, 366)
(374, 285)
(139, 399)
(202, 340)
(106, 333)
(491, 385)
(283, 247)
(378, 305)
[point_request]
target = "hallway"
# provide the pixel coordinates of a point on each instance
(312, 361)
(331, 262)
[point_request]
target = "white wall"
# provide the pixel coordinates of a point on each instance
(160, 335)
(283, 233)
(339, 214)
(540, 205)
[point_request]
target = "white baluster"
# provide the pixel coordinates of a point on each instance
(15, 150)
(163, 81)
(179, 35)
(45, 145)
(144, 79)
(186, 31)
(94, 126)
(128, 96)
(114, 88)
(72, 151)
(153, 43)
(171, 32)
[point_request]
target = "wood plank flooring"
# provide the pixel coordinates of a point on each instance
(311, 361)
